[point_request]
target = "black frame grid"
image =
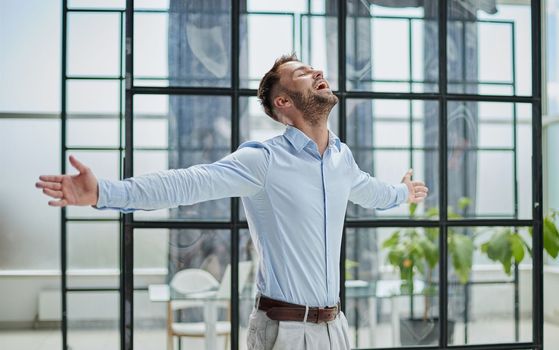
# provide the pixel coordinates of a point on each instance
(65, 149)
(235, 92)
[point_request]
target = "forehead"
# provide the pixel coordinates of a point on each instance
(288, 68)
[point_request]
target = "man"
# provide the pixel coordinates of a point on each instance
(294, 187)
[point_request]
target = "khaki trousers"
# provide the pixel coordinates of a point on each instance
(267, 334)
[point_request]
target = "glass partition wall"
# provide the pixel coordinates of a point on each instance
(450, 89)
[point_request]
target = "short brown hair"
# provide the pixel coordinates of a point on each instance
(270, 79)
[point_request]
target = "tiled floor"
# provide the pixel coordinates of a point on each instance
(146, 339)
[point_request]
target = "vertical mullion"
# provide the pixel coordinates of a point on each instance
(309, 32)
(127, 245)
(120, 101)
(515, 184)
(537, 195)
(235, 140)
(120, 176)
(342, 10)
(410, 81)
(63, 221)
(443, 178)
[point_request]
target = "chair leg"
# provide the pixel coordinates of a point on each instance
(170, 342)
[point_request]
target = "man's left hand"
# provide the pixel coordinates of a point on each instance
(416, 189)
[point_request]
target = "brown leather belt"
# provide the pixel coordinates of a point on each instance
(282, 311)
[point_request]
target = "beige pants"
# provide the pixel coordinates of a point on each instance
(267, 334)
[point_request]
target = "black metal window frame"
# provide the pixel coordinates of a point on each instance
(234, 225)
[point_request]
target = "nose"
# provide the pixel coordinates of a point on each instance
(318, 74)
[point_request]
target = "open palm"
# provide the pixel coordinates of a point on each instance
(79, 189)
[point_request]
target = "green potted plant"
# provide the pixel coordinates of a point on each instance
(509, 248)
(414, 252)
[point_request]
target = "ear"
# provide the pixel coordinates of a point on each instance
(281, 102)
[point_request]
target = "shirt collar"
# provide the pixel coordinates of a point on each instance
(299, 140)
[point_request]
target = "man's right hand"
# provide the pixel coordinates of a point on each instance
(80, 189)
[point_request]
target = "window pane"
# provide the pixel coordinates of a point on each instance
(485, 298)
(93, 132)
(489, 48)
(399, 62)
(188, 44)
(93, 245)
(150, 47)
(268, 33)
(94, 44)
(183, 131)
(178, 254)
(92, 250)
(552, 52)
(26, 217)
(378, 133)
(384, 308)
(488, 174)
(97, 4)
(30, 66)
(93, 320)
(93, 97)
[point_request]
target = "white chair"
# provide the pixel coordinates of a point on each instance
(197, 283)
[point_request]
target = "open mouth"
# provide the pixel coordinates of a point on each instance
(322, 85)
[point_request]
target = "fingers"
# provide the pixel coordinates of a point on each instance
(51, 178)
(407, 176)
(52, 185)
(53, 193)
(77, 164)
(420, 189)
(419, 192)
(60, 203)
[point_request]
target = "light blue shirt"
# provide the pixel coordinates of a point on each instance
(295, 203)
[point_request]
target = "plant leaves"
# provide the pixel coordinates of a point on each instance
(432, 213)
(464, 202)
(412, 208)
(550, 237)
(430, 252)
(395, 257)
(461, 249)
(392, 241)
(498, 248)
(517, 247)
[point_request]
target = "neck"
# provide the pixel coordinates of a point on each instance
(317, 132)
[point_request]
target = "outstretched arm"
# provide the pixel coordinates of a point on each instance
(241, 173)
(370, 192)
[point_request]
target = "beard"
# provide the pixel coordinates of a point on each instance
(314, 106)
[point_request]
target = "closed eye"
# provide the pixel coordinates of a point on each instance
(302, 71)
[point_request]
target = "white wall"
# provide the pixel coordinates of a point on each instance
(20, 295)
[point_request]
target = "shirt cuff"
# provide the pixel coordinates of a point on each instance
(112, 194)
(402, 193)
